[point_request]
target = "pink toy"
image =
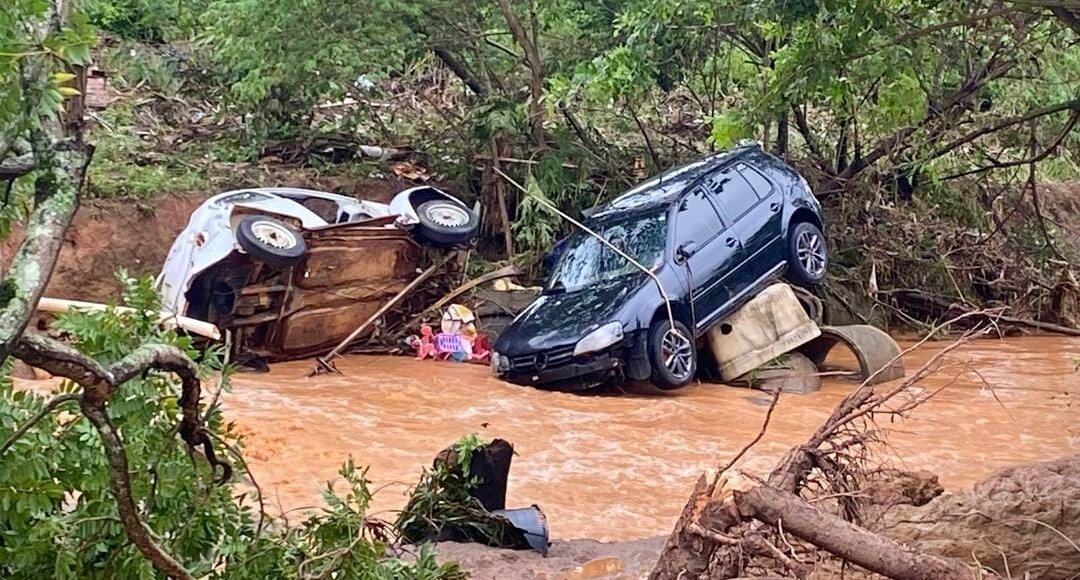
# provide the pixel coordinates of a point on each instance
(425, 347)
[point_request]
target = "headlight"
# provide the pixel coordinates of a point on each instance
(499, 363)
(600, 338)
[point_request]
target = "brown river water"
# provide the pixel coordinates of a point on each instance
(620, 467)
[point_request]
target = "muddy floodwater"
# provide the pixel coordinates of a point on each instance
(620, 467)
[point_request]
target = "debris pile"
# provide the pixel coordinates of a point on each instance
(462, 498)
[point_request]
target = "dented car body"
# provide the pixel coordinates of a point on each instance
(289, 272)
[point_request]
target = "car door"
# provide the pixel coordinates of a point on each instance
(754, 206)
(707, 249)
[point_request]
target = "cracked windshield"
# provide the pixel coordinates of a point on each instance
(586, 260)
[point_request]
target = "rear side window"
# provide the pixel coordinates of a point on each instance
(696, 219)
(733, 193)
(762, 186)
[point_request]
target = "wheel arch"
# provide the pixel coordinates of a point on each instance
(678, 310)
(406, 202)
(804, 214)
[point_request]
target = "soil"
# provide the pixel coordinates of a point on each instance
(1033, 509)
(568, 560)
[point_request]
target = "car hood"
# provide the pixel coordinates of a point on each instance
(562, 319)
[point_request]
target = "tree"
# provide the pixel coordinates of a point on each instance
(107, 492)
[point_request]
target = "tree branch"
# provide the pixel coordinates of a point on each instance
(62, 166)
(16, 167)
(48, 408)
(1073, 105)
(1030, 160)
(99, 384)
(536, 78)
(120, 481)
(845, 539)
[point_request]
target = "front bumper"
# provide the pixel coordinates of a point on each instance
(558, 369)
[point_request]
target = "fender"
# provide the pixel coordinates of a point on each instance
(404, 204)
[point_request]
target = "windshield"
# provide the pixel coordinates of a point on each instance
(584, 260)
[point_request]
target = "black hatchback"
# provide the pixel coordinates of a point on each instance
(713, 233)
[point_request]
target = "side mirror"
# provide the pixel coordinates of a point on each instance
(684, 251)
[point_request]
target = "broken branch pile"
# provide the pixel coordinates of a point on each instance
(812, 512)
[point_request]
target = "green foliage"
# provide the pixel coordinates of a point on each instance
(127, 166)
(441, 504)
(727, 130)
(283, 58)
(24, 100)
(149, 20)
(536, 226)
(58, 518)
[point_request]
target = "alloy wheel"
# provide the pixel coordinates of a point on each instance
(677, 352)
(811, 253)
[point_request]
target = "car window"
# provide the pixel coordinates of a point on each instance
(733, 193)
(696, 219)
(584, 260)
(762, 186)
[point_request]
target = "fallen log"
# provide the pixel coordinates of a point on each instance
(729, 526)
(845, 539)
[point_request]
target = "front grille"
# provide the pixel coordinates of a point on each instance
(546, 359)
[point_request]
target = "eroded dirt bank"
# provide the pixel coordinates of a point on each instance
(619, 468)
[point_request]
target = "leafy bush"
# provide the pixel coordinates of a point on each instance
(149, 20)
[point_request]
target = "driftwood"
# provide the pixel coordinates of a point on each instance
(735, 525)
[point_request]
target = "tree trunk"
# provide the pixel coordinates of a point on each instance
(845, 539)
(536, 75)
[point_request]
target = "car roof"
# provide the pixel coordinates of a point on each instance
(663, 189)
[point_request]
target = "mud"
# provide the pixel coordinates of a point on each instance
(1020, 521)
(619, 467)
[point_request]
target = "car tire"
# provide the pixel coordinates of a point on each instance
(446, 222)
(808, 255)
(662, 337)
(270, 241)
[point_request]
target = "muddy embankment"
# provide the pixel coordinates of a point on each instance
(135, 234)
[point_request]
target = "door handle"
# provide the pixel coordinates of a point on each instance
(774, 206)
(730, 242)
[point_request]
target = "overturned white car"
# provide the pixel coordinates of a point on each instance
(290, 271)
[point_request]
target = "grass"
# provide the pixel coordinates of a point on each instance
(127, 165)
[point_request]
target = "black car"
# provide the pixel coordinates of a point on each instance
(713, 232)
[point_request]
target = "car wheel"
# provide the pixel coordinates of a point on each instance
(808, 256)
(672, 354)
(270, 241)
(446, 222)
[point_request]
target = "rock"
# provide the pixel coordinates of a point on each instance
(1020, 516)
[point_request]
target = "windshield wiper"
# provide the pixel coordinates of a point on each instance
(557, 288)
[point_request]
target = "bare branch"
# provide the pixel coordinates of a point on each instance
(1073, 105)
(761, 433)
(536, 76)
